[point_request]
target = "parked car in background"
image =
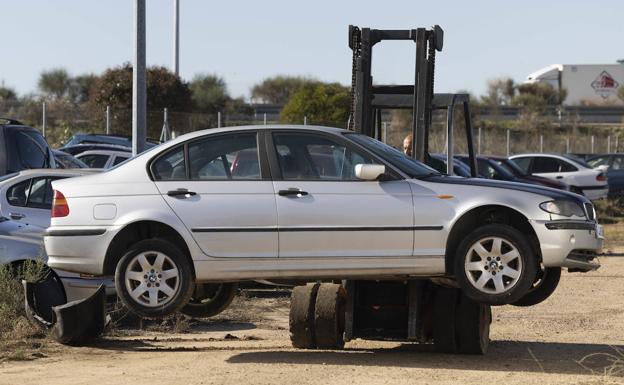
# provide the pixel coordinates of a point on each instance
(519, 173)
(65, 160)
(80, 148)
(103, 158)
(582, 179)
(309, 203)
(20, 243)
(26, 196)
(118, 140)
(22, 148)
(438, 162)
(615, 171)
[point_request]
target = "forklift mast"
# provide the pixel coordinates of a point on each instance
(368, 100)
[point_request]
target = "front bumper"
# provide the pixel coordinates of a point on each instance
(570, 244)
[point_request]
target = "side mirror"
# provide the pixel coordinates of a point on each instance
(369, 171)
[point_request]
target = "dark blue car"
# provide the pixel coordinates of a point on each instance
(615, 172)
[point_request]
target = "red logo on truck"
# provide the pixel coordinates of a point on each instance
(604, 84)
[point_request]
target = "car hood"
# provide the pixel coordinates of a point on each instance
(524, 187)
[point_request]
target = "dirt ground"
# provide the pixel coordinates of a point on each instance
(575, 337)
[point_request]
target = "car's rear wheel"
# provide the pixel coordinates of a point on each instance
(210, 299)
(154, 279)
(495, 265)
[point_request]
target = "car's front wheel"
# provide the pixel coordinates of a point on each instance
(495, 265)
(154, 279)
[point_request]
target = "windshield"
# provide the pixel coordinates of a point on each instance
(578, 160)
(409, 166)
(510, 166)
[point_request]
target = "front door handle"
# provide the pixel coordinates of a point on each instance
(292, 192)
(559, 177)
(181, 193)
(17, 216)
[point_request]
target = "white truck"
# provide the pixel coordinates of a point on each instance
(585, 84)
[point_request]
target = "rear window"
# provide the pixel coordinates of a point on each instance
(94, 160)
(26, 149)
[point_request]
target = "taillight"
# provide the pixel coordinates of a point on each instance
(601, 177)
(59, 205)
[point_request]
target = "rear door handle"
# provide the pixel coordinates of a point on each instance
(292, 192)
(559, 177)
(181, 192)
(17, 216)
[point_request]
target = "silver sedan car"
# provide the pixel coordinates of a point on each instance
(309, 203)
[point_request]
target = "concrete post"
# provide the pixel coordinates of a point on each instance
(43, 119)
(541, 143)
(264, 118)
(592, 144)
(567, 145)
(108, 120)
(479, 141)
(139, 95)
(305, 120)
(508, 144)
(219, 119)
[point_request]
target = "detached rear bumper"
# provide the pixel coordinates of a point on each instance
(570, 244)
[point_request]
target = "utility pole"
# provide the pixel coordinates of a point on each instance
(139, 94)
(176, 37)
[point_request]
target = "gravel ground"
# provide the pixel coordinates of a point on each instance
(575, 337)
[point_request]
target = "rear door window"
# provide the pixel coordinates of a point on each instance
(542, 164)
(17, 195)
(233, 156)
(94, 160)
(523, 163)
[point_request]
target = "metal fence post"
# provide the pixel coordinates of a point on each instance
(264, 118)
(479, 141)
(608, 144)
(567, 145)
(616, 143)
(541, 143)
(508, 137)
(305, 120)
(592, 144)
(43, 118)
(139, 90)
(108, 120)
(219, 119)
(385, 132)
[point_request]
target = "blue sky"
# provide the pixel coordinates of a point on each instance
(246, 41)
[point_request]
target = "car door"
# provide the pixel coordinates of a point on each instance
(325, 211)
(30, 201)
(217, 186)
(553, 168)
(615, 175)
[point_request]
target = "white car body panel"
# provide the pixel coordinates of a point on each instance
(417, 246)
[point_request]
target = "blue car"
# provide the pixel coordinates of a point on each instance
(615, 171)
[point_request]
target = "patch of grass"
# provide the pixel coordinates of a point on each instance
(614, 237)
(610, 210)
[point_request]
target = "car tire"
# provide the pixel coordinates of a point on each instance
(154, 278)
(545, 284)
(444, 315)
(329, 316)
(472, 326)
(209, 300)
(495, 265)
(301, 317)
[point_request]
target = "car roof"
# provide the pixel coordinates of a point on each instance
(104, 152)
(195, 134)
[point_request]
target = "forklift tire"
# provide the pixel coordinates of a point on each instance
(544, 285)
(444, 314)
(329, 316)
(301, 319)
(473, 326)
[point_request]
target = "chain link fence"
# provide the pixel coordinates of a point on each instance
(61, 120)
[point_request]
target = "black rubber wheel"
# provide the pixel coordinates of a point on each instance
(444, 314)
(495, 265)
(329, 316)
(301, 318)
(154, 279)
(209, 300)
(545, 284)
(472, 325)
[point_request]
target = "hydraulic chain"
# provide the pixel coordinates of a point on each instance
(356, 46)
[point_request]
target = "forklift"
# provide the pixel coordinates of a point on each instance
(432, 312)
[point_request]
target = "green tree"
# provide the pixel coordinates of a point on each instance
(209, 93)
(54, 83)
(7, 94)
(80, 87)
(321, 103)
(538, 95)
(164, 89)
(279, 89)
(499, 92)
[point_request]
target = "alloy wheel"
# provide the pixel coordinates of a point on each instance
(493, 265)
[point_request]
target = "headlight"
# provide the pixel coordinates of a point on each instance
(564, 208)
